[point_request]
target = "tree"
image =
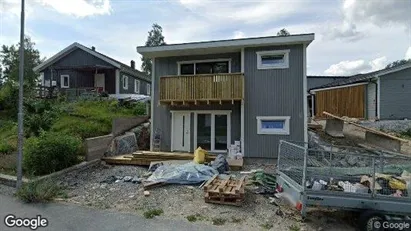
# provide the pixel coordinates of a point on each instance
(9, 59)
(398, 63)
(283, 32)
(155, 38)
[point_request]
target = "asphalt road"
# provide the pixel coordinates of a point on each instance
(72, 217)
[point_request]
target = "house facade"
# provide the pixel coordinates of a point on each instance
(382, 94)
(211, 94)
(78, 68)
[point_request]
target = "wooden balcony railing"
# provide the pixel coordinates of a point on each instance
(202, 88)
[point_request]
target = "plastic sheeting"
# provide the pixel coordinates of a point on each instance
(190, 173)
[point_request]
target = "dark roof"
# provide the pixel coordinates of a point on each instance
(328, 76)
(125, 67)
(358, 78)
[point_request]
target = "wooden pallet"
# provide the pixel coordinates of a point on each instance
(228, 192)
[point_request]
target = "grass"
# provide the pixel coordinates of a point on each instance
(406, 134)
(219, 221)
(267, 226)
(195, 217)
(236, 220)
(295, 227)
(8, 136)
(39, 191)
(150, 214)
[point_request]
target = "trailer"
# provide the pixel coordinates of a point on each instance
(375, 183)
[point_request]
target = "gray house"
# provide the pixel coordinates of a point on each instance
(211, 94)
(81, 68)
(383, 94)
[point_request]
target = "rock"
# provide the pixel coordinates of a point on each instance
(117, 181)
(112, 189)
(147, 174)
(119, 177)
(146, 193)
(136, 180)
(131, 196)
(351, 160)
(279, 212)
(122, 145)
(103, 185)
(190, 187)
(127, 178)
(109, 180)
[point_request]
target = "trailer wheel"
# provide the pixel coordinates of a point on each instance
(371, 221)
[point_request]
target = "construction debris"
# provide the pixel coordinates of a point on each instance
(266, 183)
(225, 191)
(146, 193)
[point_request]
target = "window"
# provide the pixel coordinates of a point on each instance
(125, 82)
(212, 130)
(148, 89)
(275, 125)
(276, 59)
(65, 81)
(204, 67)
(137, 86)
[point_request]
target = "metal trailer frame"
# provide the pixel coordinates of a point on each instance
(303, 198)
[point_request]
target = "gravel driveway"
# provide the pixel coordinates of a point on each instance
(179, 201)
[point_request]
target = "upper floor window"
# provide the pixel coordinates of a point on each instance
(276, 59)
(125, 82)
(137, 86)
(204, 67)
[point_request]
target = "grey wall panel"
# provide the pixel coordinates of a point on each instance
(131, 85)
(162, 115)
(272, 92)
(319, 81)
(395, 95)
(80, 58)
(371, 100)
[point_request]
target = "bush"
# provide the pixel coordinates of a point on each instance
(39, 116)
(39, 191)
(139, 108)
(50, 152)
(9, 96)
(5, 148)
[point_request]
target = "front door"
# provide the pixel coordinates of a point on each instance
(99, 81)
(181, 132)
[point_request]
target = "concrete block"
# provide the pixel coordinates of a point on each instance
(383, 141)
(96, 146)
(334, 128)
(121, 125)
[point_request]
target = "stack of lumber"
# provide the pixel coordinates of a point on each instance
(224, 191)
(146, 157)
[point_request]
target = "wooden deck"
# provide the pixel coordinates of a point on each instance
(196, 89)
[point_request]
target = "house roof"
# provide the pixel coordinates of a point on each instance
(328, 76)
(219, 45)
(359, 78)
(123, 67)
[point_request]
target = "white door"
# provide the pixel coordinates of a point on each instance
(99, 81)
(180, 132)
(371, 100)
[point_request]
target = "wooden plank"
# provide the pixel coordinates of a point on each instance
(365, 128)
(151, 185)
(209, 182)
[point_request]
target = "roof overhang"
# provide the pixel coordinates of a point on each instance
(67, 50)
(219, 46)
(338, 87)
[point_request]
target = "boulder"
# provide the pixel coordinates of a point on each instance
(124, 144)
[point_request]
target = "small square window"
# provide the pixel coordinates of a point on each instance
(275, 125)
(276, 59)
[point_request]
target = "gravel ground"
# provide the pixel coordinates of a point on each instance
(397, 126)
(180, 201)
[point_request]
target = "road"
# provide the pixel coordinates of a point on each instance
(72, 217)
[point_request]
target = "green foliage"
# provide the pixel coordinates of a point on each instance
(139, 108)
(398, 63)
(39, 116)
(407, 133)
(283, 32)
(9, 95)
(155, 38)
(8, 136)
(153, 213)
(267, 226)
(219, 221)
(295, 227)
(39, 191)
(50, 152)
(81, 127)
(9, 59)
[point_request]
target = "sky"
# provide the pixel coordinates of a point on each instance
(351, 36)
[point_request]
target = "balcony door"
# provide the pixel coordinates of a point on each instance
(204, 67)
(212, 130)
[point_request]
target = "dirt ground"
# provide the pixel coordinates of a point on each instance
(179, 201)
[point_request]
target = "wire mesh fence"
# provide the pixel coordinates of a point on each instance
(347, 170)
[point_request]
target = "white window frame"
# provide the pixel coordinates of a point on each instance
(202, 61)
(213, 113)
(62, 81)
(125, 82)
(273, 131)
(284, 65)
(137, 86)
(148, 86)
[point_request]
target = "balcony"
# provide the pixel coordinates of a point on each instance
(196, 89)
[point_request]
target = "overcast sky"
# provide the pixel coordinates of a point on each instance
(351, 36)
